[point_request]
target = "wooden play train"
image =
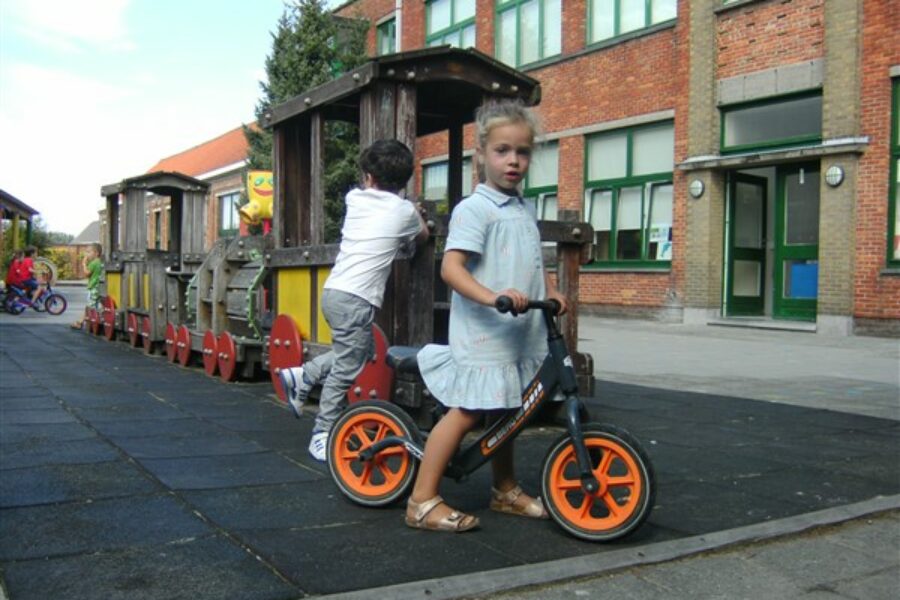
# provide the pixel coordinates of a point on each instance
(250, 304)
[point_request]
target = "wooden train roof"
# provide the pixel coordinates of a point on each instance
(161, 182)
(450, 84)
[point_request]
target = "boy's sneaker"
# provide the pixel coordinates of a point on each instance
(295, 387)
(318, 446)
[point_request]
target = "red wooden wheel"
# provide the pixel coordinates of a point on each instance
(93, 320)
(227, 356)
(285, 350)
(132, 328)
(108, 317)
(210, 353)
(171, 341)
(376, 378)
(183, 345)
(146, 333)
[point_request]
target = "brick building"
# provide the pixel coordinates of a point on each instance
(737, 159)
(221, 162)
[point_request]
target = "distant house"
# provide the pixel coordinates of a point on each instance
(222, 162)
(67, 257)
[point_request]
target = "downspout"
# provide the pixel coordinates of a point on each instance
(398, 24)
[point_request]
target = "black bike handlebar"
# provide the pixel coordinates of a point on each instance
(504, 304)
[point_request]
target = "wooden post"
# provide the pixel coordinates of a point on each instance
(569, 260)
(315, 223)
(454, 164)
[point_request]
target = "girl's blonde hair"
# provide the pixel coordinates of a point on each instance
(494, 113)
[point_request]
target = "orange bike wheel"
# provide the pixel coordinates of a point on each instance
(627, 485)
(391, 473)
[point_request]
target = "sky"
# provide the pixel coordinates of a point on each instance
(94, 91)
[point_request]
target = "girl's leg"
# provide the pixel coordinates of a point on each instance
(506, 495)
(439, 449)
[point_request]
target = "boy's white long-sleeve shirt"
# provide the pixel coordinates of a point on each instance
(376, 225)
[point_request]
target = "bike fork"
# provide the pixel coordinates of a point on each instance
(573, 424)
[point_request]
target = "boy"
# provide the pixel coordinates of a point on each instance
(93, 268)
(377, 224)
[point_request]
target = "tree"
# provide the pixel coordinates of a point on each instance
(310, 46)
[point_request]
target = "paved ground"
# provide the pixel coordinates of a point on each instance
(122, 476)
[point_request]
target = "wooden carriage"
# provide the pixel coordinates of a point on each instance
(144, 288)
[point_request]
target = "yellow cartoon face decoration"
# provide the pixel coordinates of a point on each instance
(259, 192)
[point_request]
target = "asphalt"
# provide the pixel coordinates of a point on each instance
(123, 476)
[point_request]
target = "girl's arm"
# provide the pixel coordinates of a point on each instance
(455, 274)
(554, 294)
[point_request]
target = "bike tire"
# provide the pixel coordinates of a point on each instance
(627, 485)
(391, 473)
(13, 307)
(55, 304)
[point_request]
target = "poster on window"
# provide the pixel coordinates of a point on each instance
(659, 234)
(664, 250)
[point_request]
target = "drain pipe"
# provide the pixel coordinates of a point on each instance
(398, 25)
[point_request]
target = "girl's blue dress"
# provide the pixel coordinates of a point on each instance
(491, 356)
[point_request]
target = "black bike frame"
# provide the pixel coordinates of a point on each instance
(556, 372)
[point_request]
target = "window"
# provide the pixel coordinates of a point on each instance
(772, 123)
(157, 229)
(434, 179)
(894, 209)
(628, 199)
(528, 30)
(542, 181)
(386, 37)
(610, 18)
(450, 22)
(229, 220)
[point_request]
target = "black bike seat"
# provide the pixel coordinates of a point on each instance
(403, 359)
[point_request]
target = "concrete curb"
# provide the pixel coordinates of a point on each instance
(502, 580)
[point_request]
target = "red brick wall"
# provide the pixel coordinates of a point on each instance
(877, 296)
(635, 77)
(763, 35)
(371, 10)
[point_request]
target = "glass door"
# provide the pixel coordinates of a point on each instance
(796, 269)
(747, 251)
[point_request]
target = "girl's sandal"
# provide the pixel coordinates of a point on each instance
(417, 517)
(514, 502)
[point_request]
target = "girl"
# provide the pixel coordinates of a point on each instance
(493, 249)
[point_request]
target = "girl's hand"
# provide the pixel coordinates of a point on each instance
(520, 300)
(553, 294)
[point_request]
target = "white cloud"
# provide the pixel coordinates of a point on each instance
(71, 25)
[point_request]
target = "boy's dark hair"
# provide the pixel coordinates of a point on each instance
(30, 251)
(389, 162)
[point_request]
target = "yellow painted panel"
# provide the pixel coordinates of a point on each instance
(114, 287)
(132, 291)
(323, 329)
(146, 290)
(294, 297)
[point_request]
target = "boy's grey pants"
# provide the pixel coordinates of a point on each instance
(350, 318)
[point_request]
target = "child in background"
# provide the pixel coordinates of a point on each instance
(377, 224)
(493, 249)
(93, 267)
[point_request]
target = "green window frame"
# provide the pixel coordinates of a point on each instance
(542, 181)
(229, 219)
(781, 113)
(608, 19)
(893, 252)
(386, 37)
(450, 22)
(514, 43)
(629, 195)
(434, 179)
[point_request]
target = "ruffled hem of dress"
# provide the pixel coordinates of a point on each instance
(474, 387)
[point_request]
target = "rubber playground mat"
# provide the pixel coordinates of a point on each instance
(123, 476)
